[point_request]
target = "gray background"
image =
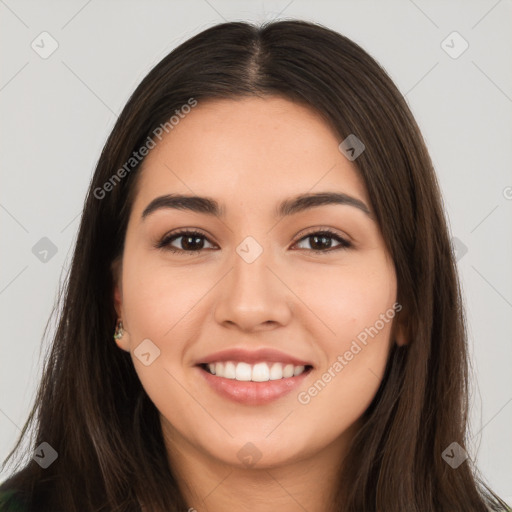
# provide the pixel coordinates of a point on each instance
(57, 112)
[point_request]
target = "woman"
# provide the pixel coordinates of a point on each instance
(265, 238)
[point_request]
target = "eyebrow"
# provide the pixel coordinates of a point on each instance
(291, 206)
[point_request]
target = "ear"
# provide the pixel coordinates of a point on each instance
(117, 277)
(401, 332)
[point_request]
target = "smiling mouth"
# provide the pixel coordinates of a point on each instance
(259, 372)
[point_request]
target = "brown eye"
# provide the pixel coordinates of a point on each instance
(321, 241)
(194, 242)
(191, 241)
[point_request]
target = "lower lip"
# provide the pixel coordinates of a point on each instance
(253, 393)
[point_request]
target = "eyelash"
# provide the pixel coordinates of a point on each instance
(164, 243)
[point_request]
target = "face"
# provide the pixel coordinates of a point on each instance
(292, 310)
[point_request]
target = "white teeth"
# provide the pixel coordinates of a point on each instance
(259, 372)
(276, 372)
(219, 368)
(298, 370)
(288, 371)
(243, 371)
(229, 370)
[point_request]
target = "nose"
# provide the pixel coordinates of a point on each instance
(253, 296)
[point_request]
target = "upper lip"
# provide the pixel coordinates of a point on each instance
(253, 356)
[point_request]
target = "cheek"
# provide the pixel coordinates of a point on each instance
(164, 304)
(160, 300)
(347, 299)
(160, 304)
(356, 303)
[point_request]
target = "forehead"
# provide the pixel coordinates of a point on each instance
(251, 151)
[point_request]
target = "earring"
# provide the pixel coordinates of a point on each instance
(119, 331)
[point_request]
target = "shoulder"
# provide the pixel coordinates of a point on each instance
(31, 489)
(13, 500)
(18, 493)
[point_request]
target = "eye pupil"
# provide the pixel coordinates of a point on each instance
(192, 246)
(324, 244)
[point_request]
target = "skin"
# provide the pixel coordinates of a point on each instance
(249, 155)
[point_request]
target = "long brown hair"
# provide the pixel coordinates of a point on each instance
(91, 407)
